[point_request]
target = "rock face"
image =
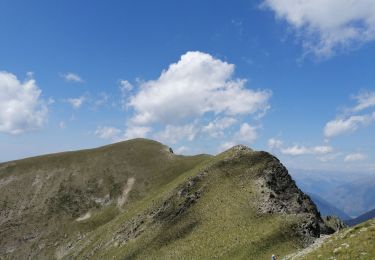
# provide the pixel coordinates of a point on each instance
(334, 223)
(281, 195)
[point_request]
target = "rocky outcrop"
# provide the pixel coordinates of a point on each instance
(281, 195)
(334, 223)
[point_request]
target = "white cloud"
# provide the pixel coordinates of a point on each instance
(76, 102)
(197, 84)
(108, 132)
(21, 107)
(72, 77)
(274, 143)
(173, 134)
(125, 86)
(365, 100)
(347, 125)
(114, 134)
(136, 132)
(328, 25)
(354, 157)
(322, 149)
(216, 128)
(352, 120)
(295, 150)
(247, 133)
(303, 150)
(328, 157)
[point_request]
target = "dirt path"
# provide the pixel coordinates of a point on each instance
(317, 243)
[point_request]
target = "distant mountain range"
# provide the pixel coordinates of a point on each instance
(351, 193)
(361, 218)
(327, 209)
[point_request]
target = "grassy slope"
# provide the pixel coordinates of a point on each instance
(352, 243)
(223, 223)
(218, 217)
(41, 197)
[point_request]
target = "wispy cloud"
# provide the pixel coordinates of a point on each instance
(365, 99)
(108, 133)
(350, 121)
(303, 150)
(76, 103)
(354, 157)
(274, 143)
(72, 77)
(347, 125)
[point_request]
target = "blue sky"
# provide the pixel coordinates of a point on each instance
(295, 78)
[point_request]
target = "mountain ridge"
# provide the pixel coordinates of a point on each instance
(137, 199)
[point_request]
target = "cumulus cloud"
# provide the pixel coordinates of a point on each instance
(76, 102)
(354, 157)
(72, 77)
(108, 132)
(197, 84)
(21, 107)
(326, 26)
(303, 150)
(198, 96)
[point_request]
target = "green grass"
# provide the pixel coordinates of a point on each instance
(351, 243)
(43, 196)
(216, 216)
(223, 223)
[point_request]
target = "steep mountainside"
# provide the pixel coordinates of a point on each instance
(361, 218)
(136, 199)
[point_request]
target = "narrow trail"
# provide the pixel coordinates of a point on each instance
(317, 243)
